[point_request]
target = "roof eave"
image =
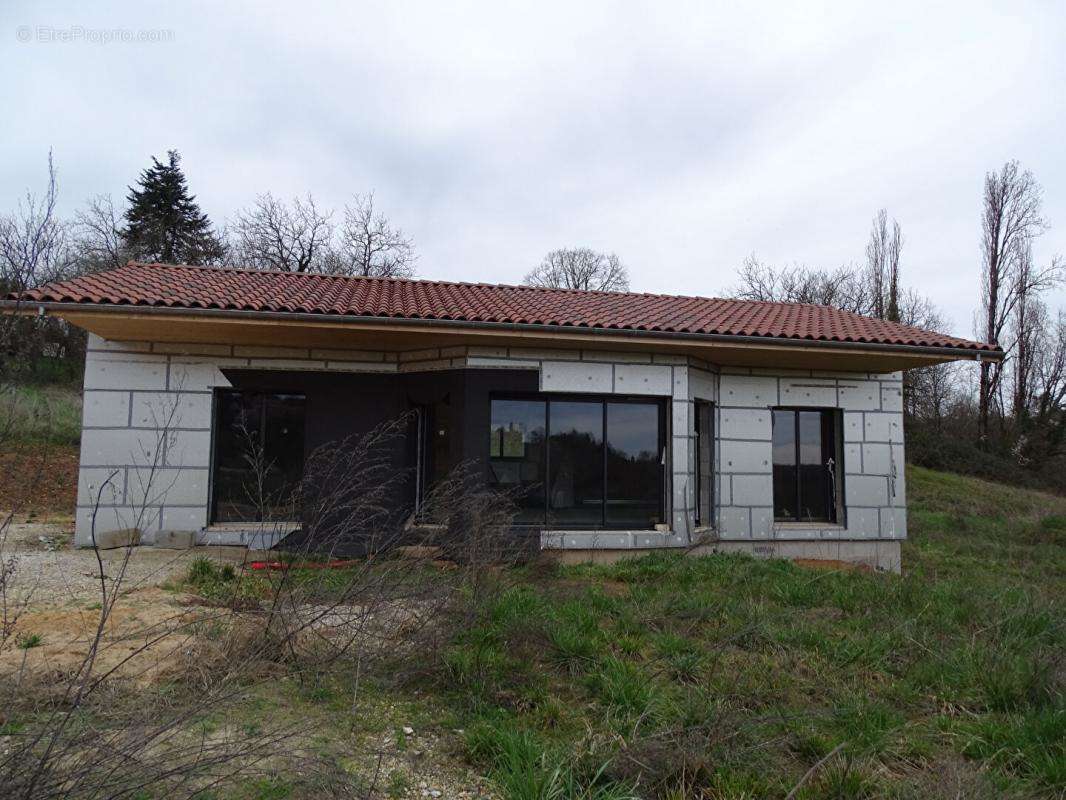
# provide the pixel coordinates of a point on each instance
(30, 307)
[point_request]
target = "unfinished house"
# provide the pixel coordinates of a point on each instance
(622, 423)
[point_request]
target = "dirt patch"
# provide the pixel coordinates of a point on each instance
(39, 480)
(141, 635)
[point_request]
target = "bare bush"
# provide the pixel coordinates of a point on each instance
(127, 720)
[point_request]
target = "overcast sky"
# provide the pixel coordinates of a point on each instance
(681, 136)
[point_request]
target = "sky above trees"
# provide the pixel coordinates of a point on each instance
(683, 138)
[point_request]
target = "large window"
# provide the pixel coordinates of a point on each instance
(579, 463)
(806, 465)
(259, 456)
(704, 464)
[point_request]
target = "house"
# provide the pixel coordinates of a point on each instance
(626, 422)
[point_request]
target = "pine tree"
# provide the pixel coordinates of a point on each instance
(163, 221)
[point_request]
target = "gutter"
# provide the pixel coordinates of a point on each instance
(341, 319)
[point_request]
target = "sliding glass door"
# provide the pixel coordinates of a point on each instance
(579, 463)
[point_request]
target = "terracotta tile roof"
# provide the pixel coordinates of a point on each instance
(159, 285)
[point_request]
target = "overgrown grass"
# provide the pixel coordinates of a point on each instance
(725, 676)
(40, 413)
(729, 677)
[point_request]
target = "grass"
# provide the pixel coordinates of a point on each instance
(728, 677)
(725, 676)
(41, 413)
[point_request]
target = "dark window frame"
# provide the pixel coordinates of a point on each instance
(216, 426)
(836, 507)
(547, 398)
(705, 516)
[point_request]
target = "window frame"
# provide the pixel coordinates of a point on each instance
(705, 517)
(216, 427)
(837, 507)
(547, 398)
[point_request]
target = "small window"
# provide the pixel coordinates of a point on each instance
(704, 464)
(806, 465)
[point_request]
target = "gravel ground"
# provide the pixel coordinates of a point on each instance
(51, 571)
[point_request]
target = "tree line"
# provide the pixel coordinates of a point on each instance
(160, 220)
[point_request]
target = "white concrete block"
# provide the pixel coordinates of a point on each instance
(684, 494)
(745, 457)
(564, 376)
(167, 486)
(650, 379)
(753, 490)
(149, 374)
(735, 522)
(747, 390)
(189, 449)
(119, 447)
(866, 490)
(702, 385)
(111, 518)
(105, 409)
(892, 398)
(103, 485)
(808, 392)
(884, 427)
(724, 485)
(762, 523)
(200, 374)
(893, 523)
(863, 523)
(745, 423)
(860, 396)
(683, 454)
(853, 426)
(853, 458)
(184, 519)
(680, 383)
(681, 417)
(876, 459)
(171, 410)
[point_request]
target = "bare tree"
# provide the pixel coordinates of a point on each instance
(882, 266)
(34, 242)
(98, 236)
(841, 288)
(274, 235)
(580, 268)
(1011, 219)
(370, 245)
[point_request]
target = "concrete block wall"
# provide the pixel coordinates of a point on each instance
(146, 444)
(874, 492)
(147, 416)
(146, 426)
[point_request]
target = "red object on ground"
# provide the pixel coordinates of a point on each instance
(283, 565)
